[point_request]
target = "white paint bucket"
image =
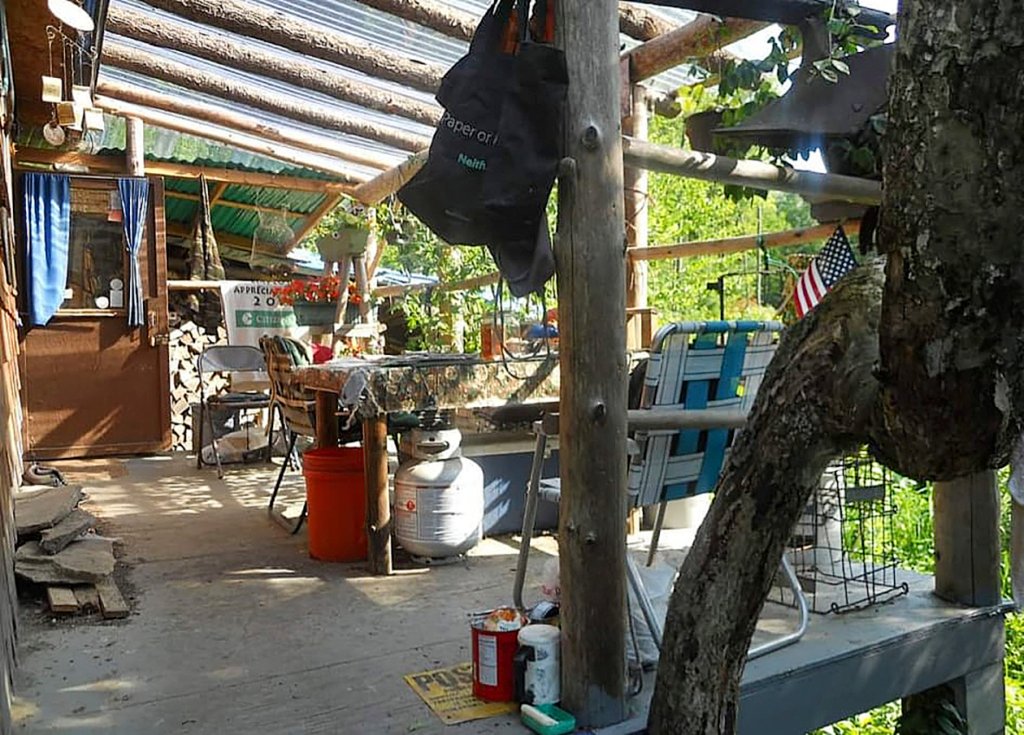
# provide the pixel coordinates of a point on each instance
(540, 658)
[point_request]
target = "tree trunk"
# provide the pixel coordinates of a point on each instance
(811, 406)
(946, 398)
(952, 220)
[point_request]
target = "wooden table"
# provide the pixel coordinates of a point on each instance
(377, 386)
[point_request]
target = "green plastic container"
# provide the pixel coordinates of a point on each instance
(566, 723)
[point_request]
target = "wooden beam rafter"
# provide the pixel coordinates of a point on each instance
(242, 141)
(138, 61)
(306, 37)
(699, 38)
(757, 174)
(229, 118)
(68, 161)
(388, 182)
(237, 54)
(728, 245)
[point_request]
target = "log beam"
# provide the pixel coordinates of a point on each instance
(92, 163)
(697, 39)
(226, 117)
(468, 284)
(638, 22)
(387, 183)
(308, 38)
(135, 60)
(238, 54)
(728, 245)
(757, 174)
(288, 154)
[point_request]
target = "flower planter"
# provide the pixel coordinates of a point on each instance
(343, 242)
(310, 314)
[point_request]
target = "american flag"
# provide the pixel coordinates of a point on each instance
(833, 262)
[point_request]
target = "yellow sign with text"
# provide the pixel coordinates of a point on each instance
(449, 694)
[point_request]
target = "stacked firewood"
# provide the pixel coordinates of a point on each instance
(188, 340)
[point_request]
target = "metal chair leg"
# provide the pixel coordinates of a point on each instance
(529, 518)
(805, 617)
(280, 475)
(656, 536)
(213, 443)
(199, 439)
(277, 517)
(643, 600)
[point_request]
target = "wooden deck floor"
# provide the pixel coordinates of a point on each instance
(236, 630)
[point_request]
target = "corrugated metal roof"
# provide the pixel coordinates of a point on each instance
(360, 22)
(345, 16)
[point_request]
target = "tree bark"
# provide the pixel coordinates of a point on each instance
(284, 29)
(952, 220)
(126, 57)
(945, 397)
(237, 54)
(638, 22)
(814, 402)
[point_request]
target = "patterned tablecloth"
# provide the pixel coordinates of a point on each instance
(425, 381)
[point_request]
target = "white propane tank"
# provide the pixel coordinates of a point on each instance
(439, 496)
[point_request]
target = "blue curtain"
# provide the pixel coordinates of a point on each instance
(48, 229)
(135, 206)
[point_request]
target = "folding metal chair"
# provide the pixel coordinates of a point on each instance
(711, 370)
(232, 360)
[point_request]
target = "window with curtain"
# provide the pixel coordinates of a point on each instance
(97, 276)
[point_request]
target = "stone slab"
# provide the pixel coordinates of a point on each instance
(56, 539)
(89, 559)
(36, 510)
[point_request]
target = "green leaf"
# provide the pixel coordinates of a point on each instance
(840, 66)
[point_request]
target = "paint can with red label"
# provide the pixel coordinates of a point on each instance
(495, 640)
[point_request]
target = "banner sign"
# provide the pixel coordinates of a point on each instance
(251, 310)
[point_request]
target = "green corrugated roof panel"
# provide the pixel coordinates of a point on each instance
(173, 147)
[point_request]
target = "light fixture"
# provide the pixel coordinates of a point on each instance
(71, 14)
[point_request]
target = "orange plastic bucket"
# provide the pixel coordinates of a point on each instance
(336, 493)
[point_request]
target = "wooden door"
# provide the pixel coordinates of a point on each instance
(94, 387)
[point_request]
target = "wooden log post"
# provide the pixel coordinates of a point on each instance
(378, 506)
(967, 572)
(636, 212)
(967, 555)
(326, 419)
(591, 292)
(135, 147)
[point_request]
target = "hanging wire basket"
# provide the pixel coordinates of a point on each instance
(843, 548)
(273, 232)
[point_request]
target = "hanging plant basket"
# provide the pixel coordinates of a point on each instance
(343, 242)
(321, 314)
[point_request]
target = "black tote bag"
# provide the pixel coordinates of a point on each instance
(495, 153)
